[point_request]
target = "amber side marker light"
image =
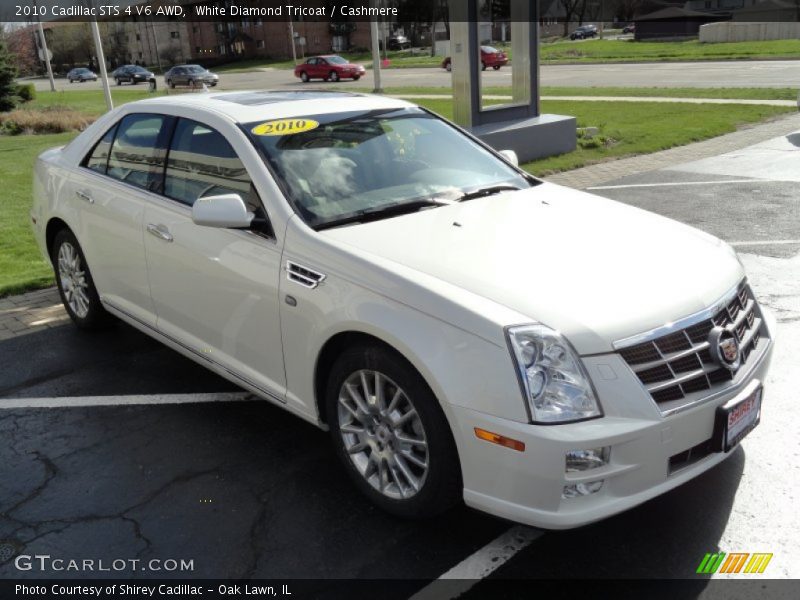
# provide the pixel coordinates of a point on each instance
(500, 440)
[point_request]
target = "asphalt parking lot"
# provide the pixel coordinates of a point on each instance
(245, 490)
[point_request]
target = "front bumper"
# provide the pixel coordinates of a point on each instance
(527, 486)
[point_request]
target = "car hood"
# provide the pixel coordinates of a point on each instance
(594, 269)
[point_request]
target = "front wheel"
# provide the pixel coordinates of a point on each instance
(496, 67)
(304, 77)
(390, 433)
(449, 67)
(75, 284)
(171, 84)
(119, 81)
(334, 76)
(356, 77)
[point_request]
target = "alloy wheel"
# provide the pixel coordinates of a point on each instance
(73, 279)
(383, 434)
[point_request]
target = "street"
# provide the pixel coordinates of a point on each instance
(769, 73)
(246, 490)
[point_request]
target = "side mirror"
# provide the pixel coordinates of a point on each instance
(510, 156)
(225, 210)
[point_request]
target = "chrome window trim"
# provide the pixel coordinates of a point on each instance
(682, 323)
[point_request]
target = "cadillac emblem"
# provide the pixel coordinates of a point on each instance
(725, 348)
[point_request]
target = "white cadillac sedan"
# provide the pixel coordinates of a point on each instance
(464, 330)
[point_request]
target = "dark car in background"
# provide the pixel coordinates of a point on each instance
(490, 57)
(132, 74)
(191, 75)
(583, 32)
(81, 74)
(398, 42)
(629, 28)
(329, 68)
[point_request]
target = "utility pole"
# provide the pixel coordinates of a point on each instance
(291, 36)
(376, 53)
(45, 53)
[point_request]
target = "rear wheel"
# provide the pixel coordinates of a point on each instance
(75, 283)
(496, 67)
(119, 81)
(334, 76)
(171, 83)
(483, 66)
(449, 66)
(390, 433)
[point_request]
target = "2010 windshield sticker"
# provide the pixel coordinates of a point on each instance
(285, 127)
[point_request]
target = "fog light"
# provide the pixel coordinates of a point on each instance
(581, 489)
(583, 460)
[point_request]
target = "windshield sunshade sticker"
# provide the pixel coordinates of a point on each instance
(284, 127)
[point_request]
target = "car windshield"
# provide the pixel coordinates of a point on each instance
(490, 50)
(138, 70)
(336, 60)
(358, 166)
(194, 68)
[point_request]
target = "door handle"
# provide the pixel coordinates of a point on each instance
(84, 196)
(160, 231)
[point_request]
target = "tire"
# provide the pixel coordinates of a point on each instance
(333, 76)
(356, 77)
(72, 81)
(304, 77)
(191, 83)
(75, 284)
(449, 67)
(483, 66)
(119, 81)
(496, 67)
(171, 84)
(426, 480)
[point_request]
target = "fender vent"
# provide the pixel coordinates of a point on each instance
(303, 275)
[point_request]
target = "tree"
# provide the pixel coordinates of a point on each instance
(22, 46)
(572, 8)
(8, 72)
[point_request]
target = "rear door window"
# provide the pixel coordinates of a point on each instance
(138, 153)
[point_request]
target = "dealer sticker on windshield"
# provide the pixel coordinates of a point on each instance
(284, 127)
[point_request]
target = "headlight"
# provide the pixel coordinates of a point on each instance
(554, 381)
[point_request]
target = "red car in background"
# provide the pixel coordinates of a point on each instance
(490, 57)
(329, 67)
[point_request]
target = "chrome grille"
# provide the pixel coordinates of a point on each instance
(679, 364)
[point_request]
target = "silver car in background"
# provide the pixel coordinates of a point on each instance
(191, 75)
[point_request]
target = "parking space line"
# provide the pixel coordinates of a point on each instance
(148, 399)
(673, 183)
(765, 243)
(479, 565)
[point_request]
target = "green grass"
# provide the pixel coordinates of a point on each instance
(636, 92)
(21, 265)
(632, 51)
(636, 128)
(592, 51)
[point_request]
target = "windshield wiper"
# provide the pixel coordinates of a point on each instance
(376, 213)
(487, 191)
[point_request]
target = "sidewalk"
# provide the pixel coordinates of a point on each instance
(36, 311)
(616, 169)
(31, 312)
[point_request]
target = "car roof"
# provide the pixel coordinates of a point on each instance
(250, 106)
